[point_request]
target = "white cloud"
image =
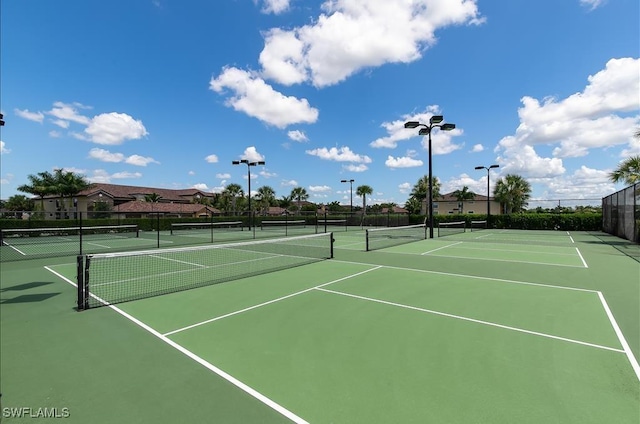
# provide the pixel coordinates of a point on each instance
(69, 112)
(342, 154)
(633, 149)
(402, 162)
(253, 96)
(320, 189)
(55, 134)
(211, 159)
(584, 183)
(592, 4)
(3, 149)
(102, 176)
(225, 176)
(138, 160)
(297, 135)
(405, 188)
(114, 128)
(597, 117)
(477, 148)
(61, 123)
(289, 183)
(442, 141)
(356, 168)
(252, 155)
(191, 173)
(266, 174)
(354, 35)
(31, 116)
(201, 186)
(275, 6)
(107, 156)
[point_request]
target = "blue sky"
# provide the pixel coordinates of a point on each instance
(166, 93)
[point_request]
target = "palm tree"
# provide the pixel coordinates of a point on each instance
(513, 191)
(265, 197)
(420, 192)
(18, 202)
(300, 195)
(285, 201)
(462, 195)
(68, 184)
(41, 185)
(233, 191)
(413, 205)
(628, 171)
(152, 198)
(363, 191)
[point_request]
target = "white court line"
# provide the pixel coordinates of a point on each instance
(349, 244)
(491, 260)
(16, 249)
(581, 258)
(99, 245)
(477, 321)
(440, 248)
(450, 274)
(265, 303)
(627, 350)
(239, 384)
(468, 247)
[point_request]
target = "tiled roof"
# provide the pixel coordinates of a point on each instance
(148, 207)
(123, 192)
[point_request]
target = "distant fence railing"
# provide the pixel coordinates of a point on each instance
(621, 213)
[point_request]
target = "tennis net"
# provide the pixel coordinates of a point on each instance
(205, 227)
(449, 228)
(478, 225)
(120, 277)
(379, 238)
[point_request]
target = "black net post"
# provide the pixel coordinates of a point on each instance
(81, 231)
(158, 229)
(80, 281)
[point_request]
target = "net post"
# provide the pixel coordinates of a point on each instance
(81, 231)
(157, 229)
(80, 282)
(325, 225)
(366, 236)
(332, 241)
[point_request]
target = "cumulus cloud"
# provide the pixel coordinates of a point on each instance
(3, 149)
(31, 116)
(320, 189)
(356, 168)
(107, 156)
(251, 95)
(405, 188)
(224, 176)
(597, 117)
(275, 6)
(114, 128)
(297, 135)
(102, 176)
(353, 35)
(477, 148)
(289, 183)
(342, 154)
(441, 141)
(252, 155)
(402, 162)
(211, 159)
(592, 4)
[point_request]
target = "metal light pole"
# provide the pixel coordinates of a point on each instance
(488, 192)
(434, 122)
(249, 165)
(351, 189)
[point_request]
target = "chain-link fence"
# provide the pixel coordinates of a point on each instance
(621, 213)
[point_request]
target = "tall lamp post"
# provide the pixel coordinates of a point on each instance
(434, 122)
(351, 189)
(249, 165)
(488, 192)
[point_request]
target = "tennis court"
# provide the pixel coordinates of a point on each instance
(492, 326)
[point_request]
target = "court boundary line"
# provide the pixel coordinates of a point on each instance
(226, 376)
(188, 327)
(471, 246)
(477, 321)
(486, 259)
(623, 341)
(502, 280)
(440, 248)
(582, 258)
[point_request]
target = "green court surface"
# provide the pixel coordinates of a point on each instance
(479, 327)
